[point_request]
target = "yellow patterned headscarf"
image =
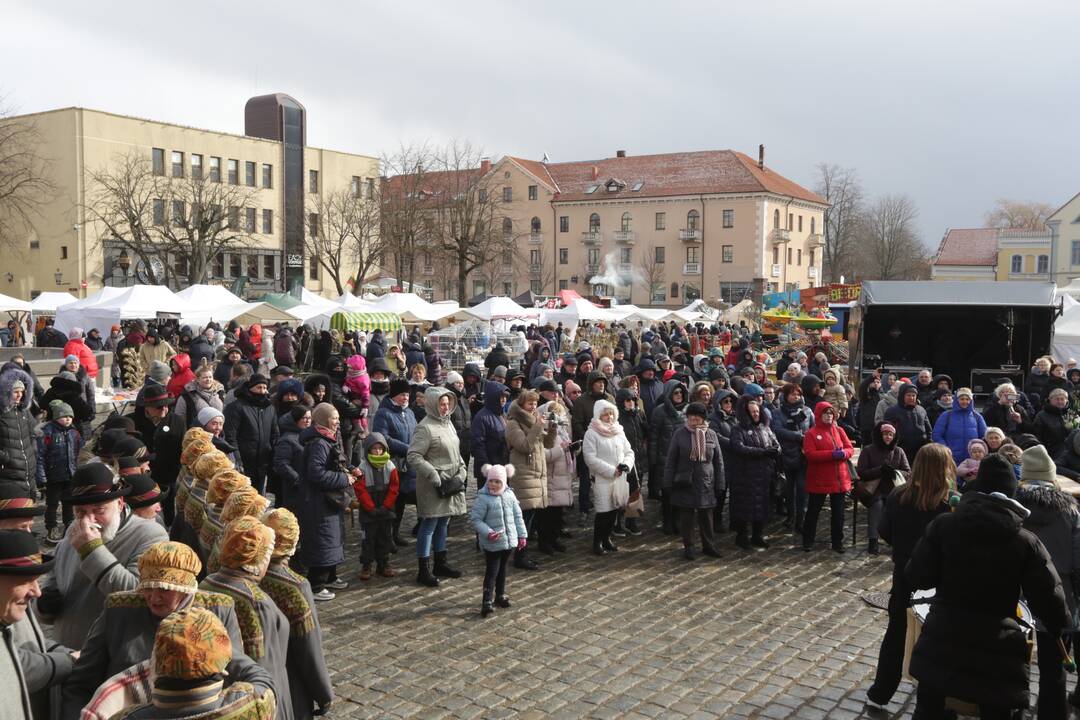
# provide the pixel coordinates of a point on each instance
(224, 484)
(169, 566)
(191, 644)
(286, 532)
(243, 501)
(211, 463)
(193, 434)
(246, 545)
(194, 450)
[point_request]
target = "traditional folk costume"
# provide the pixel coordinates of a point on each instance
(19, 556)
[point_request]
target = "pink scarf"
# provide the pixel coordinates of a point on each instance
(606, 429)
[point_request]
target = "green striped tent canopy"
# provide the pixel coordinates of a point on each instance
(367, 321)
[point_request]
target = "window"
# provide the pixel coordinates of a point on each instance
(692, 218)
(508, 229)
(659, 256)
(729, 218)
(775, 219)
(180, 266)
(268, 175)
(158, 155)
(235, 268)
(234, 218)
(658, 295)
(533, 193)
(178, 213)
(253, 266)
(661, 220)
(727, 253)
(508, 288)
(775, 254)
(594, 256)
(535, 285)
(563, 285)
(508, 194)
(564, 223)
(268, 221)
(313, 267)
(219, 265)
(812, 252)
(789, 256)
(234, 170)
(693, 255)
(268, 267)
(479, 287)
(159, 211)
(215, 171)
(800, 223)
(196, 167)
(1018, 262)
(791, 221)
(534, 225)
(813, 226)
(798, 256)
(249, 220)
(624, 255)
(249, 173)
(354, 186)
(177, 164)
(594, 223)
(313, 181)
(1043, 264)
(1075, 252)
(483, 195)
(63, 252)
(674, 290)
(313, 224)
(534, 257)
(626, 220)
(508, 258)
(371, 187)
(564, 256)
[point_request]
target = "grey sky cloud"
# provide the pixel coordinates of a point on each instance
(954, 103)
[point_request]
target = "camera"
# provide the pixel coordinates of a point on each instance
(623, 467)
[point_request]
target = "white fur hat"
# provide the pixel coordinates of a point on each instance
(500, 472)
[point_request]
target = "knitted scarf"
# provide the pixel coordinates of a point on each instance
(697, 442)
(613, 429)
(379, 461)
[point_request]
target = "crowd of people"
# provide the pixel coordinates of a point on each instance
(219, 502)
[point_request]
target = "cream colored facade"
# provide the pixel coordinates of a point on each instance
(63, 250)
(738, 244)
(1064, 227)
(1023, 255)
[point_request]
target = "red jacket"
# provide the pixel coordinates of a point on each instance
(824, 474)
(364, 497)
(181, 376)
(85, 355)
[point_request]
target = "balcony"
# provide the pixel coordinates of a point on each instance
(690, 235)
(779, 236)
(775, 271)
(591, 237)
(814, 241)
(691, 269)
(812, 272)
(534, 268)
(626, 237)
(536, 238)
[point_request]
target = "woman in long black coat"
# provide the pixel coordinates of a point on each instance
(722, 422)
(322, 522)
(756, 452)
(695, 482)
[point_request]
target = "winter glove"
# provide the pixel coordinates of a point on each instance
(838, 454)
(494, 535)
(521, 544)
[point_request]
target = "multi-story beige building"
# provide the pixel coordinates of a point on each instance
(1064, 226)
(992, 254)
(652, 229)
(67, 249)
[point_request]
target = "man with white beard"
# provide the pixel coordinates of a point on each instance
(99, 555)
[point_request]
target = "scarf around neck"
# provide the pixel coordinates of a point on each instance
(697, 442)
(606, 429)
(379, 461)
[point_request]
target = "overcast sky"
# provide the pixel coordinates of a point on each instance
(954, 103)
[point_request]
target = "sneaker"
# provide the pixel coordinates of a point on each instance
(323, 595)
(619, 532)
(502, 601)
(338, 584)
(632, 528)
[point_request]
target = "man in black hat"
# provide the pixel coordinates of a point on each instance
(21, 564)
(251, 427)
(163, 442)
(99, 555)
(145, 497)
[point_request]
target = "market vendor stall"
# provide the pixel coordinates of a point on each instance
(471, 341)
(367, 321)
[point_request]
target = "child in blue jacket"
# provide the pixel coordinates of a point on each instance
(58, 449)
(496, 517)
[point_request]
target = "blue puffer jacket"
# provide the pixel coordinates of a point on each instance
(489, 432)
(497, 512)
(789, 423)
(650, 391)
(956, 427)
(397, 424)
(58, 448)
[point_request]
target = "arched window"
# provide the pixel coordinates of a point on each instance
(692, 220)
(675, 290)
(1017, 264)
(813, 226)
(535, 225)
(508, 229)
(775, 219)
(594, 223)
(626, 219)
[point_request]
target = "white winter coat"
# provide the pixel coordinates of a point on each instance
(602, 455)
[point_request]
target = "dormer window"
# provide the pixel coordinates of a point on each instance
(614, 185)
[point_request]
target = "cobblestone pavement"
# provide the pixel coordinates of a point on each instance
(641, 633)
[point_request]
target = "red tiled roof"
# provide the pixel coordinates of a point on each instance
(685, 173)
(538, 170)
(974, 246)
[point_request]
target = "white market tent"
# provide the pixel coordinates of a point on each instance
(309, 298)
(139, 302)
(1067, 335)
(203, 303)
(10, 304)
(208, 296)
(579, 310)
(413, 308)
(502, 308)
(48, 302)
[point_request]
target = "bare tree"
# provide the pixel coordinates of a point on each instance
(405, 204)
(25, 182)
(1016, 215)
(843, 191)
(889, 245)
(346, 240)
(182, 222)
(652, 271)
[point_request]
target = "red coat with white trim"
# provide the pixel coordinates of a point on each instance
(825, 474)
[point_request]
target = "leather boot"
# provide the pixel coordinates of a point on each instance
(800, 516)
(423, 575)
(522, 560)
(442, 568)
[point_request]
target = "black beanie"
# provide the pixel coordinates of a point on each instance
(699, 409)
(996, 474)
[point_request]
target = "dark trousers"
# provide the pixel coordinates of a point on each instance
(891, 655)
(703, 518)
(54, 491)
(836, 506)
(718, 511)
(320, 575)
(930, 704)
(168, 504)
(1052, 678)
(603, 524)
(378, 541)
(584, 484)
(548, 523)
(495, 573)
